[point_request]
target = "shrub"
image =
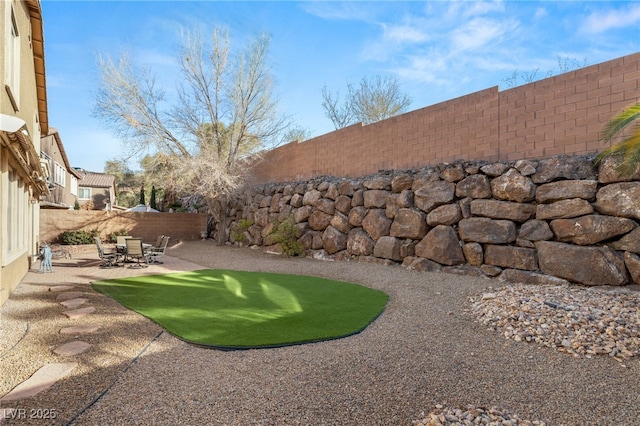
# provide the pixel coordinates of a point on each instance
(113, 237)
(237, 233)
(285, 235)
(78, 237)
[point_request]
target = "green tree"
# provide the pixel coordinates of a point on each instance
(142, 201)
(152, 202)
(623, 131)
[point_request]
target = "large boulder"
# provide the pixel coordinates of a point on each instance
(474, 186)
(433, 194)
(518, 276)
(619, 199)
(333, 240)
(340, 222)
(485, 230)
(375, 198)
(633, 266)
(584, 265)
(512, 186)
(630, 242)
(388, 248)
(359, 243)
(343, 204)
(378, 182)
(356, 215)
(591, 229)
(535, 230)
(494, 209)
(409, 223)
(564, 167)
(441, 245)
(326, 205)
(319, 220)
(448, 214)
(564, 209)
(511, 257)
(608, 171)
(311, 197)
(401, 182)
(566, 189)
(376, 223)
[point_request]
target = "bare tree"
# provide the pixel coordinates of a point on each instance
(373, 100)
(565, 64)
(224, 114)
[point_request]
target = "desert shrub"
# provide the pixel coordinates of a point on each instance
(113, 237)
(284, 234)
(78, 237)
(237, 232)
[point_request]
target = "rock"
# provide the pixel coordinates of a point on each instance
(591, 229)
(485, 230)
(512, 186)
(630, 242)
(526, 167)
(495, 169)
(466, 270)
(323, 186)
(494, 209)
(473, 254)
(405, 199)
(608, 171)
(265, 202)
(407, 248)
(345, 188)
(392, 207)
(357, 199)
(378, 182)
(448, 214)
(619, 199)
(261, 217)
(564, 209)
(633, 266)
(584, 265)
(275, 203)
(356, 215)
(375, 198)
(376, 223)
(311, 198)
(474, 186)
(453, 173)
(564, 167)
(511, 257)
(333, 240)
(332, 192)
(340, 222)
(343, 204)
(319, 220)
(535, 230)
(518, 276)
(490, 270)
(401, 182)
(387, 248)
(424, 178)
(424, 265)
(441, 245)
(359, 243)
(296, 201)
(433, 194)
(326, 205)
(409, 223)
(566, 189)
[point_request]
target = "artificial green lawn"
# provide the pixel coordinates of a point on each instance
(238, 309)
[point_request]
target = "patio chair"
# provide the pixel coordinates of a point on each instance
(136, 253)
(158, 250)
(109, 257)
(120, 239)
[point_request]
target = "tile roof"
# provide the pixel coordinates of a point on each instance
(97, 180)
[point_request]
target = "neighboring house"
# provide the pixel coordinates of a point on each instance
(96, 191)
(23, 120)
(63, 179)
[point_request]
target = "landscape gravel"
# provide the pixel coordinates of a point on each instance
(430, 356)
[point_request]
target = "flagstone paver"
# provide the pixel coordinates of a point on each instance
(68, 296)
(42, 379)
(79, 313)
(74, 303)
(80, 329)
(72, 348)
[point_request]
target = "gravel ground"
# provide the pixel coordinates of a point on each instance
(431, 352)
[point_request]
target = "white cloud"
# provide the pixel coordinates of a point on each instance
(479, 32)
(541, 12)
(404, 33)
(599, 22)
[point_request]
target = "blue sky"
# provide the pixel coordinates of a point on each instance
(438, 49)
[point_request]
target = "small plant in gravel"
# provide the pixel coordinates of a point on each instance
(78, 237)
(285, 234)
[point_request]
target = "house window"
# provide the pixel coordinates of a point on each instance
(12, 61)
(84, 193)
(46, 163)
(74, 185)
(60, 175)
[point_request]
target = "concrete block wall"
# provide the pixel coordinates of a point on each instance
(179, 226)
(563, 114)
